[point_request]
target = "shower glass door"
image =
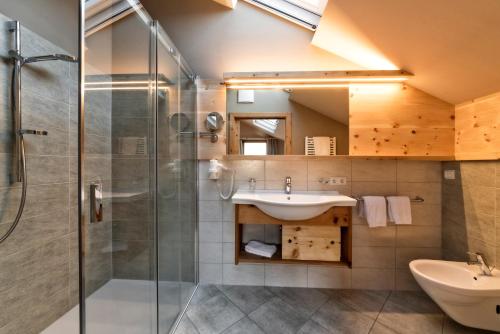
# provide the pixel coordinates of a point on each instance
(177, 182)
(137, 173)
(117, 217)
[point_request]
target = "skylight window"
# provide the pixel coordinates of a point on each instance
(306, 13)
(269, 125)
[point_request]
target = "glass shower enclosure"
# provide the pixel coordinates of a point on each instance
(137, 173)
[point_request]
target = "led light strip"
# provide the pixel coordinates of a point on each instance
(124, 88)
(278, 86)
(315, 80)
(112, 83)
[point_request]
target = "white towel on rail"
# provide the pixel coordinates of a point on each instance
(374, 209)
(399, 209)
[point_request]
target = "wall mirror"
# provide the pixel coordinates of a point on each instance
(214, 122)
(288, 121)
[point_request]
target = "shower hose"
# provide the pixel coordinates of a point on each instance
(15, 87)
(24, 181)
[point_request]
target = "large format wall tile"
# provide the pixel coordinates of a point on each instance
(38, 275)
(470, 210)
(376, 250)
(374, 170)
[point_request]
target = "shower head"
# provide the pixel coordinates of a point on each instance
(56, 56)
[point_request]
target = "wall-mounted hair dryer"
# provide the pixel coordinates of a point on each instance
(215, 170)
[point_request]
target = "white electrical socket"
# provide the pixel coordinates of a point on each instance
(333, 181)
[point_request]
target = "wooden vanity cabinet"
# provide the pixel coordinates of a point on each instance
(325, 239)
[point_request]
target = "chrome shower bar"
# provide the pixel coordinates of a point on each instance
(19, 160)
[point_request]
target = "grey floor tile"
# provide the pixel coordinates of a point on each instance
(214, 315)
(244, 326)
(204, 293)
(453, 327)
(368, 302)
(338, 317)
(304, 300)
(186, 326)
(411, 312)
(311, 327)
(247, 298)
(277, 317)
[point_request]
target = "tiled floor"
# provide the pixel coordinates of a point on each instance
(275, 310)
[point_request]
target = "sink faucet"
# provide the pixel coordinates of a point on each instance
(481, 261)
(288, 185)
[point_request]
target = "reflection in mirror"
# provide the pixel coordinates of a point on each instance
(179, 122)
(214, 121)
(316, 119)
(262, 137)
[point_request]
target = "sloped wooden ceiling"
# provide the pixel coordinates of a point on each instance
(452, 46)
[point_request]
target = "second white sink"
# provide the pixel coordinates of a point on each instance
(296, 206)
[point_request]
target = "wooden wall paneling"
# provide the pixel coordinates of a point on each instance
(399, 120)
(477, 135)
(211, 98)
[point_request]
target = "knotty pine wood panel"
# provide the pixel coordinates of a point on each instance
(399, 120)
(477, 135)
(315, 243)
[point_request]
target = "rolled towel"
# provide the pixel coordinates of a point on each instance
(374, 209)
(260, 248)
(399, 209)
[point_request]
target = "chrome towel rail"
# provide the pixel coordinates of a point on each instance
(416, 199)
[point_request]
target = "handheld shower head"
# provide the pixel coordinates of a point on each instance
(57, 56)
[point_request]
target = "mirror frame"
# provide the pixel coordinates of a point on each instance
(234, 128)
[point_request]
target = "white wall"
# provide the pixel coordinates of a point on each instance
(215, 39)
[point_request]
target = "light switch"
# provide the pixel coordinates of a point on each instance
(449, 174)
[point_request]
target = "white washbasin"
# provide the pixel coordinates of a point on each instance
(296, 206)
(463, 293)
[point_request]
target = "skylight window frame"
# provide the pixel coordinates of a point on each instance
(304, 15)
(268, 125)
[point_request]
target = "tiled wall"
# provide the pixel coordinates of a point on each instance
(97, 168)
(39, 261)
(380, 255)
(471, 210)
(132, 211)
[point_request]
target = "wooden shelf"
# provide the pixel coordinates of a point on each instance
(335, 157)
(245, 257)
(334, 220)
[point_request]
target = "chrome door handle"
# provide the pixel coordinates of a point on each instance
(96, 210)
(33, 132)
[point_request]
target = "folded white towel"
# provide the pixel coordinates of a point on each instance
(374, 209)
(399, 209)
(260, 248)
